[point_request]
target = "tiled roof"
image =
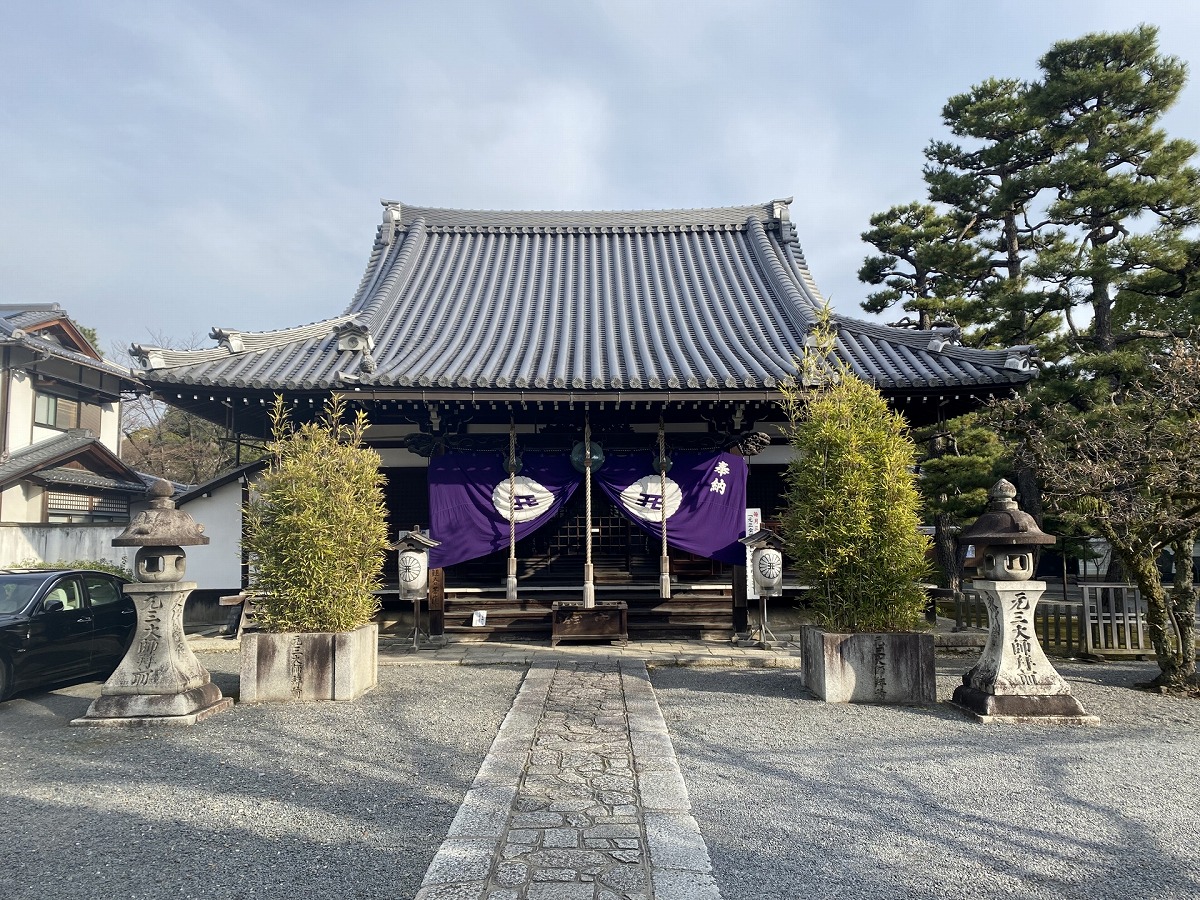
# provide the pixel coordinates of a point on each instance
(45, 459)
(80, 478)
(51, 450)
(16, 320)
(585, 301)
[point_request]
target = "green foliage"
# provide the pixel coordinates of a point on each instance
(926, 262)
(1126, 466)
(1080, 213)
(851, 517)
(317, 530)
(100, 565)
(963, 458)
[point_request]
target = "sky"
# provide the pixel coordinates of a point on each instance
(167, 167)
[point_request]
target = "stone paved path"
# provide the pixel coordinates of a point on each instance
(580, 798)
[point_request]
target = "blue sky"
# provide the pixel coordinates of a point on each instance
(166, 167)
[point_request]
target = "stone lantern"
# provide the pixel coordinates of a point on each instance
(766, 571)
(412, 573)
(1013, 680)
(160, 681)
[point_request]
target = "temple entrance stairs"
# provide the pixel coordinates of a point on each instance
(700, 606)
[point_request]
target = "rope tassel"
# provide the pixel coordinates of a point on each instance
(589, 588)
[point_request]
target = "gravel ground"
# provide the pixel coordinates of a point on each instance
(797, 798)
(270, 801)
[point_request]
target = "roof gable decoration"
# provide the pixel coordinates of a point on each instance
(48, 333)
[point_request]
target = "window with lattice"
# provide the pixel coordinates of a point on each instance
(70, 507)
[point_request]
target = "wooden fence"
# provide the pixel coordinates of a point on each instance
(1114, 623)
(1059, 625)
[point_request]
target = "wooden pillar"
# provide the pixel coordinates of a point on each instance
(437, 602)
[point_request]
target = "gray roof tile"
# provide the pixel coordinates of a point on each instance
(16, 320)
(45, 459)
(641, 300)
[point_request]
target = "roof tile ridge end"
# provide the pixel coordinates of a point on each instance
(399, 260)
(779, 277)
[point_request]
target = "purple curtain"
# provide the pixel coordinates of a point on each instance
(469, 501)
(705, 503)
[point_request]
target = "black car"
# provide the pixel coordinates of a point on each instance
(61, 625)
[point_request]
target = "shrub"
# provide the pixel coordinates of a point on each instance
(852, 508)
(316, 532)
(100, 565)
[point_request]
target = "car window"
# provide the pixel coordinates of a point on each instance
(101, 590)
(68, 592)
(16, 590)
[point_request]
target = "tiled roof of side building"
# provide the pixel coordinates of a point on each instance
(644, 300)
(16, 320)
(47, 457)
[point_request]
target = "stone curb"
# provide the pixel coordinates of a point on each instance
(461, 865)
(496, 838)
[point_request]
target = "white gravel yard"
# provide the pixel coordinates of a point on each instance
(271, 801)
(797, 798)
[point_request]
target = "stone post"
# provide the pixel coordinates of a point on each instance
(160, 681)
(1013, 680)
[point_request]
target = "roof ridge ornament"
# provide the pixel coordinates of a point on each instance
(353, 337)
(228, 338)
(393, 214)
(781, 214)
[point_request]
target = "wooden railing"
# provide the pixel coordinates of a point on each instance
(1114, 623)
(1059, 625)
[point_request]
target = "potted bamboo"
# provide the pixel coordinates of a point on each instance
(850, 526)
(315, 533)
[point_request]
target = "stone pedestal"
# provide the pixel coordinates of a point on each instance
(1013, 680)
(160, 681)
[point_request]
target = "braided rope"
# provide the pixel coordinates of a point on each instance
(512, 490)
(664, 563)
(511, 581)
(662, 480)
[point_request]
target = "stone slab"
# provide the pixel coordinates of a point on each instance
(154, 721)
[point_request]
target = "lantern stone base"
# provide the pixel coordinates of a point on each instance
(152, 711)
(1015, 709)
(300, 666)
(608, 620)
(869, 668)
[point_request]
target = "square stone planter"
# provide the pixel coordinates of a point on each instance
(291, 666)
(868, 668)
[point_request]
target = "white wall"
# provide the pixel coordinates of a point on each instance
(20, 410)
(21, 502)
(217, 564)
(67, 542)
(110, 426)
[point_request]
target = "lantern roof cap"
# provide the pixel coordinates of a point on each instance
(414, 540)
(764, 537)
(162, 525)
(1004, 522)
